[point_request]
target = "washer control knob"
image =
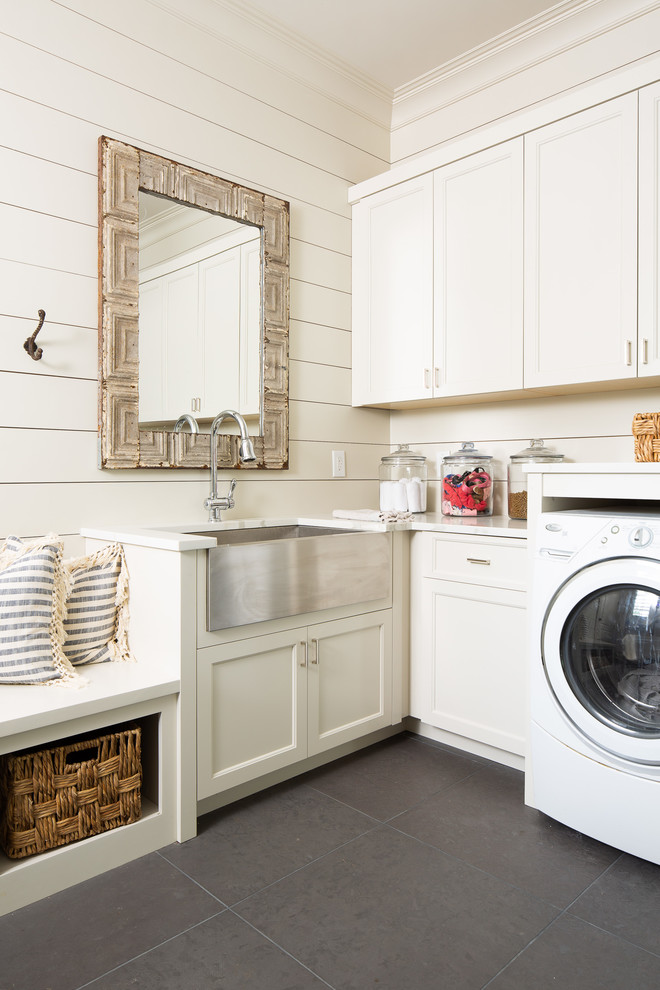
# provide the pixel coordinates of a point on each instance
(640, 537)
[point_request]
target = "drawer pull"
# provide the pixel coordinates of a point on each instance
(314, 657)
(477, 560)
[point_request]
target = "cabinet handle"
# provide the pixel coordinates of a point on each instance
(303, 646)
(436, 377)
(427, 377)
(477, 560)
(314, 653)
(629, 352)
(645, 350)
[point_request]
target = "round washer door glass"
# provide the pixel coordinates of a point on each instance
(610, 654)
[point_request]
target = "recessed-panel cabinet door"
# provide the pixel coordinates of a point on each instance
(181, 384)
(219, 313)
(648, 356)
(350, 679)
(477, 687)
(581, 247)
(478, 204)
(251, 709)
(393, 294)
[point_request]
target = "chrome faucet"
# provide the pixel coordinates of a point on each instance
(246, 453)
(190, 420)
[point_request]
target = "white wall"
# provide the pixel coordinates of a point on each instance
(502, 86)
(174, 77)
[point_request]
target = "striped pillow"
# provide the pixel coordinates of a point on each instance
(96, 623)
(32, 592)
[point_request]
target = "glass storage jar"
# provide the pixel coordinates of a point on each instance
(403, 481)
(467, 482)
(536, 453)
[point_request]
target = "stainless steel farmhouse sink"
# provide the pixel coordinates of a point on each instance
(277, 571)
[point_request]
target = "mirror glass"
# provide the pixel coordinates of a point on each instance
(193, 311)
(199, 310)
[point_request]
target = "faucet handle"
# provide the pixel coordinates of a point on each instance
(232, 486)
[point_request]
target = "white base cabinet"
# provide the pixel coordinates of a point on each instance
(269, 701)
(468, 643)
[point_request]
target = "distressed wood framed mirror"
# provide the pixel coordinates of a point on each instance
(183, 333)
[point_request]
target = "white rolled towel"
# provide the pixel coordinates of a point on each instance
(387, 496)
(400, 490)
(414, 493)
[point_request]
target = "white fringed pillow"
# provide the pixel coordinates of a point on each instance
(96, 623)
(32, 596)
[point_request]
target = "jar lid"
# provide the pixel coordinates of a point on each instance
(403, 454)
(468, 453)
(536, 452)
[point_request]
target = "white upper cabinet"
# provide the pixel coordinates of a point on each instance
(393, 293)
(581, 247)
(648, 355)
(478, 210)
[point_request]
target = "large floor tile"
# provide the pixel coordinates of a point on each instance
(572, 955)
(388, 911)
(625, 901)
(246, 846)
(223, 953)
(66, 940)
(392, 776)
(484, 821)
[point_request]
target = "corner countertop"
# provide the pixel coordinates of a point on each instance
(199, 535)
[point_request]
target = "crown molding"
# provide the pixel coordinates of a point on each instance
(494, 46)
(512, 44)
(283, 37)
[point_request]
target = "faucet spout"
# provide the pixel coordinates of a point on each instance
(190, 420)
(245, 452)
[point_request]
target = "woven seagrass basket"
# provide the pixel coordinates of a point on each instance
(646, 432)
(69, 791)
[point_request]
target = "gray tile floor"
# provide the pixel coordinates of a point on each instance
(404, 867)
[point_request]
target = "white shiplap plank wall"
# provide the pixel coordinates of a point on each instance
(133, 70)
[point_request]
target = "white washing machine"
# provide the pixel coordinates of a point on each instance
(594, 759)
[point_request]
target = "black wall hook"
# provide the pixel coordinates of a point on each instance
(30, 344)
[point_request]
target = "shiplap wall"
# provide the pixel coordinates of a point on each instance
(195, 81)
(596, 40)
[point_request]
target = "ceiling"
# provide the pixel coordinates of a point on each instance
(395, 41)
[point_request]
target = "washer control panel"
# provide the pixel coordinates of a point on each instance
(596, 532)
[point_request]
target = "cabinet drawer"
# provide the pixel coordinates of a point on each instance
(490, 561)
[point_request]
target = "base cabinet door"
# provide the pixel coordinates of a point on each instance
(270, 701)
(251, 709)
(476, 682)
(350, 679)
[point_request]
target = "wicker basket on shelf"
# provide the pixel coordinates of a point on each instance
(646, 433)
(68, 791)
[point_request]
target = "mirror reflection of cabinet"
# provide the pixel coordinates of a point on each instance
(199, 330)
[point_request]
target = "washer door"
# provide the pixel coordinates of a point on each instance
(601, 653)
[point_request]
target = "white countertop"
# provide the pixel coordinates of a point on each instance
(607, 467)
(195, 536)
